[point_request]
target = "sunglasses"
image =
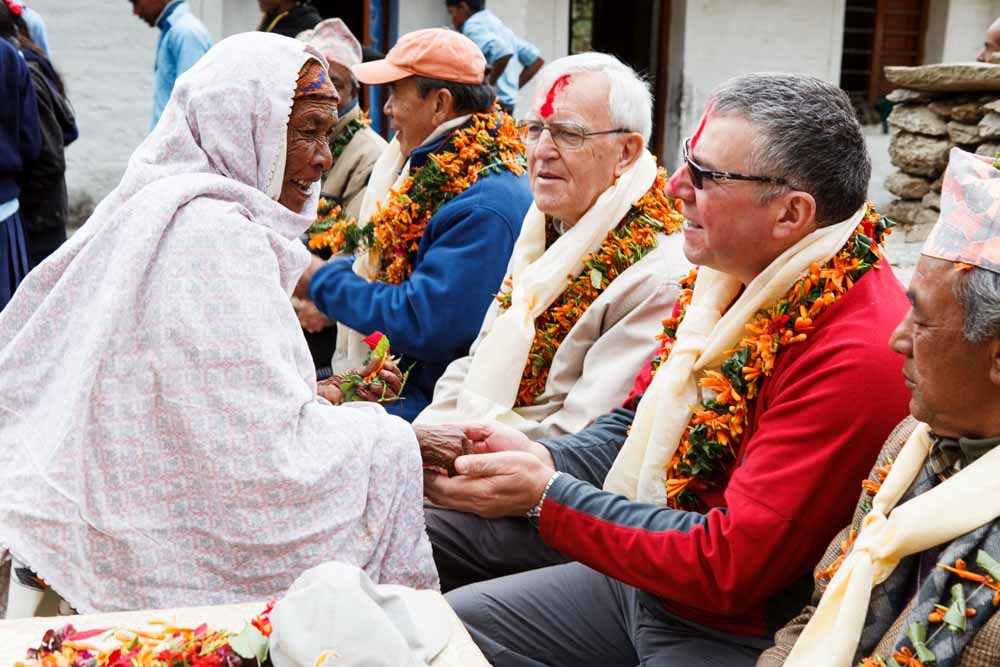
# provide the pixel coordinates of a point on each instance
(564, 135)
(699, 173)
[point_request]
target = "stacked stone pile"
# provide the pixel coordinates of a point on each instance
(936, 108)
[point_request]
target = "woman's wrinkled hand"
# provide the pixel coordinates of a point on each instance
(330, 389)
(441, 445)
(384, 387)
(389, 381)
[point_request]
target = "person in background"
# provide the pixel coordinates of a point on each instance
(287, 17)
(44, 202)
(355, 148)
(183, 40)
(20, 143)
(991, 44)
(513, 61)
(35, 23)
(442, 212)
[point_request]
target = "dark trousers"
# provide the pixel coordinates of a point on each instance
(570, 615)
(468, 548)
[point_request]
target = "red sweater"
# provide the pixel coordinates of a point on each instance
(814, 433)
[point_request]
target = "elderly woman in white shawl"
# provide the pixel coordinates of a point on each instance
(161, 438)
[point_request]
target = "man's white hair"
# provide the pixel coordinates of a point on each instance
(630, 104)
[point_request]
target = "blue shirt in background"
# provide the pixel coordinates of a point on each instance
(496, 40)
(36, 28)
(183, 40)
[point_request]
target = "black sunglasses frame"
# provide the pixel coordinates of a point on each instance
(699, 173)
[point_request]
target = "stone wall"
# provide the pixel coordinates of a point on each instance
(944, 106)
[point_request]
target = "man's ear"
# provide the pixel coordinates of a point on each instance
(444, 103)
(630, 151)
(994, 349)
(796, 215)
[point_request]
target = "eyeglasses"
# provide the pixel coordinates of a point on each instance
(564, 135)
(699, 173)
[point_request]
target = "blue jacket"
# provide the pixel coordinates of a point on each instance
(183, 40)
(20, 136)
(432, 317)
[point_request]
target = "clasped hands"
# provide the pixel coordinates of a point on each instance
(487, 469)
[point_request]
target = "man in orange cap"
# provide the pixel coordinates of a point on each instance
(438, 221)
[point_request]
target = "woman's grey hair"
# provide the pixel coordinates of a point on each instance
(630, 104)
(806, 133)
(978, 294)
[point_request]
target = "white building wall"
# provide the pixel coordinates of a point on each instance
(956, 29)
(226, 17)
(722, 39)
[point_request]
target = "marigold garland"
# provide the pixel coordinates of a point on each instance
(355, 125)
(330, 228)
(626, 244)
(487, 144)
(717, 424)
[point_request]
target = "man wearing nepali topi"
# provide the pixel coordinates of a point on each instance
(915, 577)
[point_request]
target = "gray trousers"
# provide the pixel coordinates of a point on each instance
(468, 548)
(570, 615)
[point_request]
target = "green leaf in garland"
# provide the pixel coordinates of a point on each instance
(955, 619)
(596, 277)
(917, 632)
(250, 644)
(988, 563)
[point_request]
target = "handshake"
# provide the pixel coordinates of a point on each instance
(487, 469)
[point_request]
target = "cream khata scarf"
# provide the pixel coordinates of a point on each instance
(960, 504)
(703, 338)
(539, 278)
(389, 173)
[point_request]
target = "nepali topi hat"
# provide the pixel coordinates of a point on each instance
(968, 229)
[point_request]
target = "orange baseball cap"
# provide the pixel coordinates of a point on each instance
(434, 52)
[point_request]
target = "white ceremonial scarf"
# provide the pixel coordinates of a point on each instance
(389, 173)
(539, 277)
(703, 339)
(960, 504)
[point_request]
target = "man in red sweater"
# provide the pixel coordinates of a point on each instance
(776, 380)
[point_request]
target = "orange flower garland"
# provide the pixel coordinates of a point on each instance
(330, 228)
(716, 428)
(488, 144)
(625, 245)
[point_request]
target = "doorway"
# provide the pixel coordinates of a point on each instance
(637, 37)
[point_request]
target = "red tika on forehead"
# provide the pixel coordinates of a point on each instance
(550, 97)
(701, 126)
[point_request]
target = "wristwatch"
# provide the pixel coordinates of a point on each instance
(535, 513)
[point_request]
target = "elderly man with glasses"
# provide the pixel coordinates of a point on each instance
(593, 272)
(695, 512)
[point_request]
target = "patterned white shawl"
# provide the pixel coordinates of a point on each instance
(161, 440)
